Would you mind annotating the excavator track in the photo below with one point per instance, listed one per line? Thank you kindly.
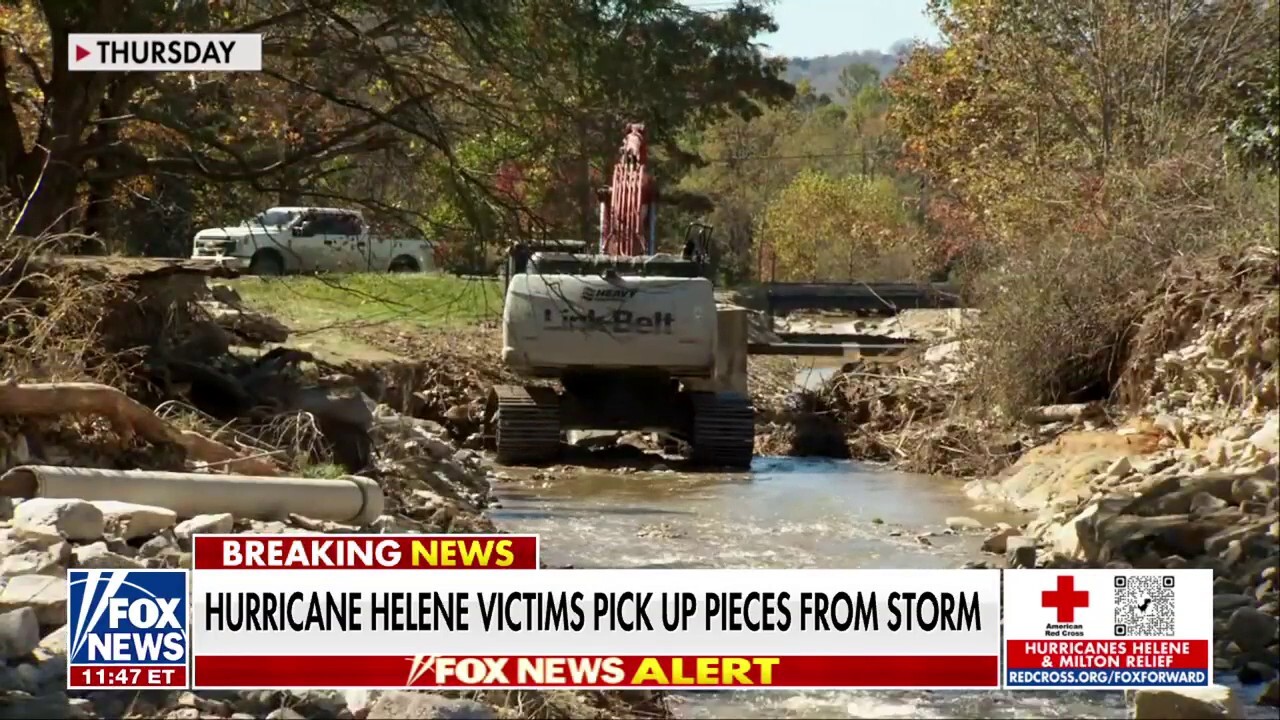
(723, 429)
(526, 425)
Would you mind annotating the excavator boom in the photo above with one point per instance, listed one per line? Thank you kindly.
(628, 218)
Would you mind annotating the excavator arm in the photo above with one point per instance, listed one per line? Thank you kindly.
(628, 220)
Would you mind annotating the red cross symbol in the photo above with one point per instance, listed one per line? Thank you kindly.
(1065, 599)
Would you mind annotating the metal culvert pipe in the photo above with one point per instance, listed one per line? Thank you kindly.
(351, 499)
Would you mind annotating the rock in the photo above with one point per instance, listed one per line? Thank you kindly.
(204, 705)
(1104, 538)
(1226, 602)
(1020, 552)
(1203, 503)
(997, 542)
(961, 522)
(97, 556)
(163, 544)
(39, 707)
(1270, 694)
(402, 705)
(19, 633)
(1121, 467)
(285, 713)
(1192, 703)
(31, 562)
(1218, 542)
(1267, 438)
(1253, 488)
(129, 520)
(44, 594)
(360, 701)
(220, 523)
(1252, 629)
(72, 519)
(1171, 425)
(1065, 539)
(1254, 673)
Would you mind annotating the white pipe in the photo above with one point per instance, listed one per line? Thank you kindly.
(351, 499)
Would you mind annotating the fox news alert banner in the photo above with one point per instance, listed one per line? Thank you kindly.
(1107, 629)
(375, 611)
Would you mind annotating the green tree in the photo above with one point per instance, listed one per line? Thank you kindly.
(856, 77)
(827, 229)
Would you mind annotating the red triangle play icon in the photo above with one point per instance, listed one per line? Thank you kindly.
(81, 53)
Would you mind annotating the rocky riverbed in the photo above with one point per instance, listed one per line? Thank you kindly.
(430, 486)
(1177, 469)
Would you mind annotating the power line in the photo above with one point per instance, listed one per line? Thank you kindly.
(811, 156)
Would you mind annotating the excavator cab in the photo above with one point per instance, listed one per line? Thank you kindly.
(697, 243)
(520, 253)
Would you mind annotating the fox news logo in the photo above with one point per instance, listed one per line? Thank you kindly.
(128, 628)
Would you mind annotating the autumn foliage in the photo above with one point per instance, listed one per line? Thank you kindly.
(1071, 151)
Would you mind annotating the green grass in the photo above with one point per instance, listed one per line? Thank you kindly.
(423, 299)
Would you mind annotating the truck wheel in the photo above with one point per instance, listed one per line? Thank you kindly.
(266, 262)
(403, 263)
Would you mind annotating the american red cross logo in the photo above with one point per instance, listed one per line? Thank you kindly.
(1065, 599)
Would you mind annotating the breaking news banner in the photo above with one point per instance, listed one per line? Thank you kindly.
(372, 611)
(163, 52)
(127, 628)
(1107, 629)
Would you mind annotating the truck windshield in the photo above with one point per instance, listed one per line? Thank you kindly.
(274, 218)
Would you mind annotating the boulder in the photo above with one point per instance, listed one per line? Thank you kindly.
(1119, 537)
(130, 520)
(31, 562)
(402, 705)
(72, 519)
(1252, 629)
(1020, 552)
(98, 556)
(1192, 703)
(960, 522)
(1270, 694)
(1177, 496)
(1267, 438)
(997, 542)
(19, 633)
(216, 524)
(44, 594)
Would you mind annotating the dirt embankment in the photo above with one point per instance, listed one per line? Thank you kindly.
(140, 366)
(1177, 469)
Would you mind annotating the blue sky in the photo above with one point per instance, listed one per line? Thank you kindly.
(808, 28)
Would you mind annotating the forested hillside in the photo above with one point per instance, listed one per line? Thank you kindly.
(823, 71)
(472, 124)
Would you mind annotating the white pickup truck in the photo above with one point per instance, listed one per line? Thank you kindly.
(285, 240)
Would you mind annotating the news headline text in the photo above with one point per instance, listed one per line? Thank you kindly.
(576, 611)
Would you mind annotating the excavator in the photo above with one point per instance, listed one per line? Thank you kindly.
(619, 339)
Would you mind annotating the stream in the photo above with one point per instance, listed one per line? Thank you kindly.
(787, 513)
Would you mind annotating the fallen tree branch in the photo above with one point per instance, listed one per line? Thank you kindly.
(128, 418)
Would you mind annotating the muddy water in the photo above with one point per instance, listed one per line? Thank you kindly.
(786, 513)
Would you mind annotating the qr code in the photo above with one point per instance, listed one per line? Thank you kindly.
(1144, 606)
